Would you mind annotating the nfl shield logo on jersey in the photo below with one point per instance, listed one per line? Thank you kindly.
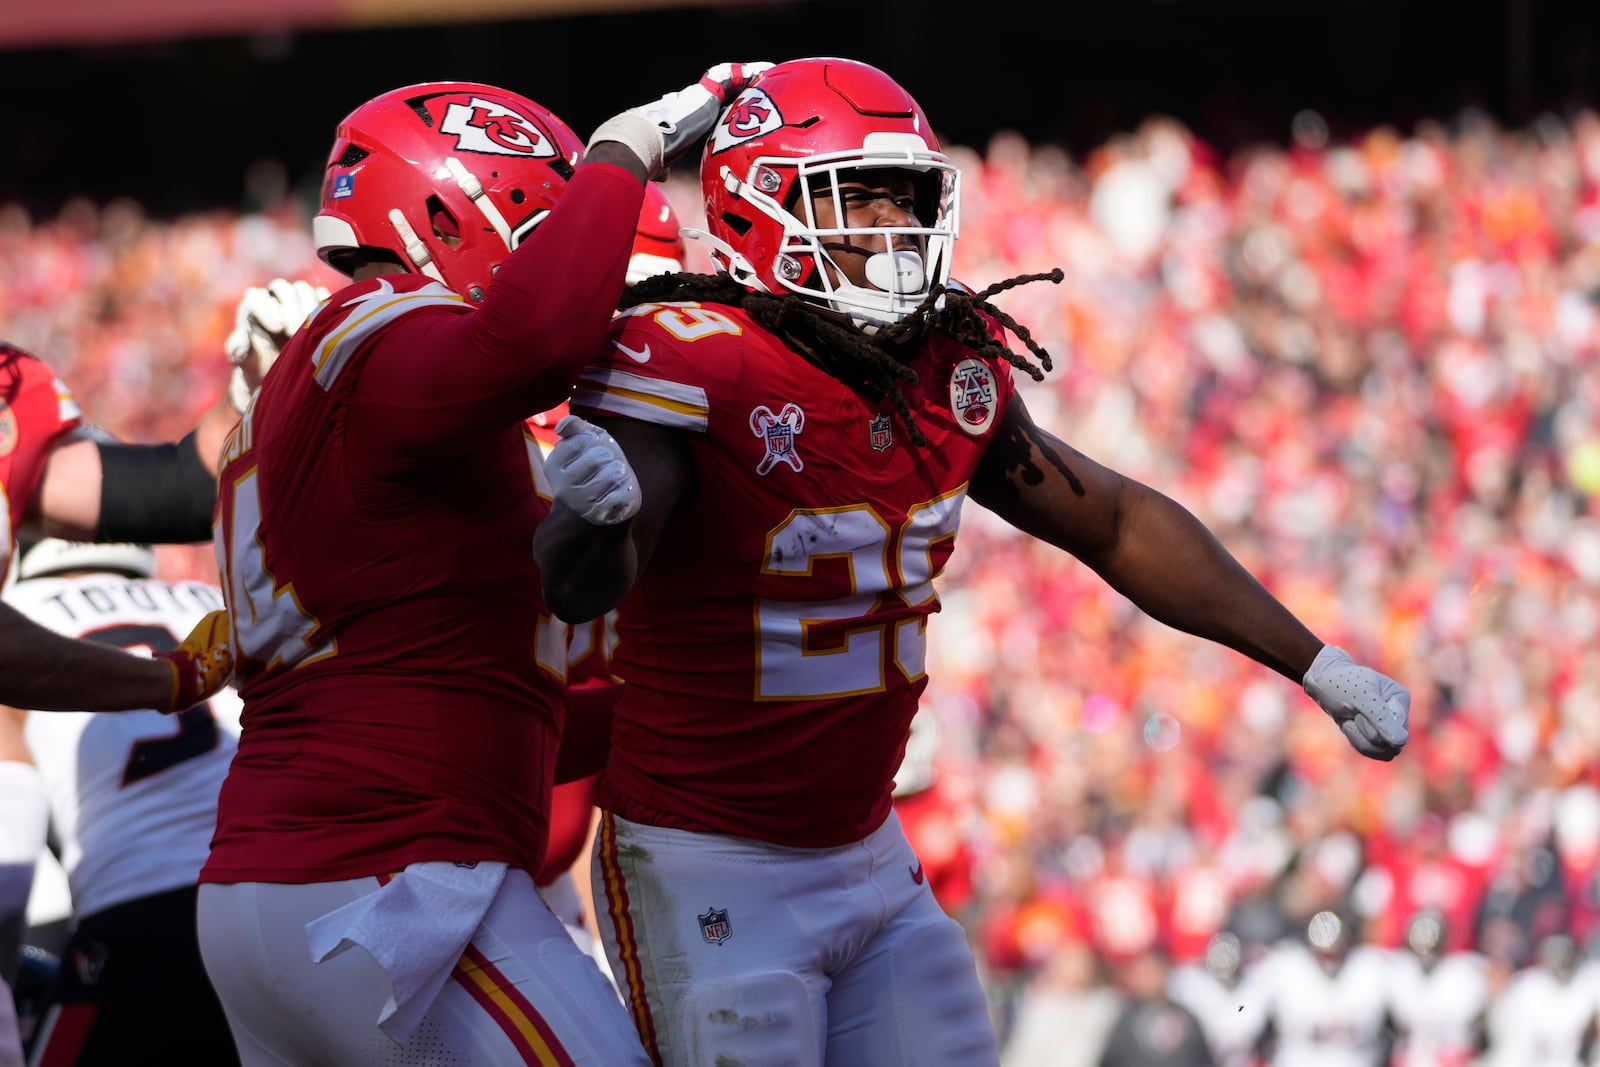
(880, 433)
(714, 925)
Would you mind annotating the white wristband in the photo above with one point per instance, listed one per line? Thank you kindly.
(638, 133)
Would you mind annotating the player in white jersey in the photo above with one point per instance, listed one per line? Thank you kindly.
(1437, 998)
(1546, 1015)
(133, 802)
(1228, 997)
(1328, 1003)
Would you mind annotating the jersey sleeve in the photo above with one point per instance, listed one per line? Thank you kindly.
(356, 315)
(450, 377)
(36, 411)
(656, 366)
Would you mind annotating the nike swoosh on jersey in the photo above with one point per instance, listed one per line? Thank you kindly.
(916, 872)
(638, 355)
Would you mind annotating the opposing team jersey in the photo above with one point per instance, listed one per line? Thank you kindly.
(1540, 1020)
(773, 653)
(1232, 1014)
(36, 409)
(133, 795)
(402, 678)
(1326, 1018)
(1437, 1009)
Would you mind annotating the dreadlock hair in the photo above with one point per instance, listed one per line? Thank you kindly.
(870, 364)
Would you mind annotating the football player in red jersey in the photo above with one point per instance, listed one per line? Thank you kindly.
(369, 895)
(806, 427)
(56, 479)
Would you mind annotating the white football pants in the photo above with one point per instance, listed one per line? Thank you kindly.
(523, 992)
(729, 950)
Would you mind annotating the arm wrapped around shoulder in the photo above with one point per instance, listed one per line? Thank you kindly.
(1371, 709)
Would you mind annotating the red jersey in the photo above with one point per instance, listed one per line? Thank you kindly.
(773, 651)
(36, 409)
(403, 680)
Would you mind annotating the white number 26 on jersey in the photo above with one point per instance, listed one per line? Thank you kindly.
(882, 561)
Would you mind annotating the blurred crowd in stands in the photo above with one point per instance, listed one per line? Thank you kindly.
(1372, 366)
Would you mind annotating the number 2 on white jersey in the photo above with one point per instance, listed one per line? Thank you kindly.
(881, 560)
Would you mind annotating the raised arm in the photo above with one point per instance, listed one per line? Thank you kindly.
(1162, 558)
(545, 308)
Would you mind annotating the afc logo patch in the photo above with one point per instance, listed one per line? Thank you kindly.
(778, 433)
(973, 395)
(752, 114)
(485, 126)
(714, 926)
(880, 433)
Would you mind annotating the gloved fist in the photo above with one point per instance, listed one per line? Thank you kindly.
(591, 475)
(202, 664)
(262, 325)
(1371, 708)
(660, 132)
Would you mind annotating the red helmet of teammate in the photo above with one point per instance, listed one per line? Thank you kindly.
(445, 177)
(657, 244)
(786, 138)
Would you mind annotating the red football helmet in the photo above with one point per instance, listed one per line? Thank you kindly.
(785, 138)
(446, 177)
(657, 244)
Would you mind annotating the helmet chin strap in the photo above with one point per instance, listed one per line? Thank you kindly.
(727, 258)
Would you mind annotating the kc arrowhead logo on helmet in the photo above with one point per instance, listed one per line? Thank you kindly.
(751, 115)
(484, 126)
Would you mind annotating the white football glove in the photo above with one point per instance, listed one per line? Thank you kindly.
(591, 475)
(262, 325)
(661, 131)
(1371, 708)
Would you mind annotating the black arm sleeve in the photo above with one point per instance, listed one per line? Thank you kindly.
(159, 494)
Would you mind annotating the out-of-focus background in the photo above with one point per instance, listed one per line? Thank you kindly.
(1332, 280)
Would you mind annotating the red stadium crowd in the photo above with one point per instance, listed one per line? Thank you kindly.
(1372, 367)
